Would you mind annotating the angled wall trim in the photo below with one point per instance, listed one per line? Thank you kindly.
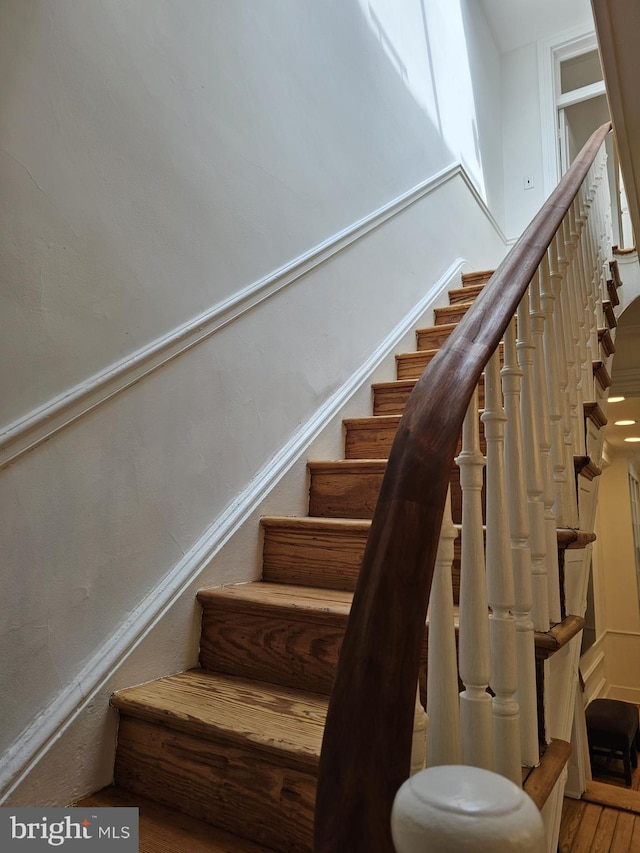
(43, 732)
(42, 423)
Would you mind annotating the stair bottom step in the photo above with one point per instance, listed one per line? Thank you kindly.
(163, 830)
(236, 788)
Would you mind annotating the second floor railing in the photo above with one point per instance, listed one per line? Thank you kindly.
(522, 356)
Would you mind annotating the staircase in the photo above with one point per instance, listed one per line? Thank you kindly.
(325, 651)
(235, 745)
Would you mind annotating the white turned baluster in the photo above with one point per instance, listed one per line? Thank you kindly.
(543, 421)
(473, 637)
(564, 403)
(585, 254)
(465, 810)
(443, 701)
(533, 464)
(575, 295)
(525, 696)
(500, 594)
(566, 296)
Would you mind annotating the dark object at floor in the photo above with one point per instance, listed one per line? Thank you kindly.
(612, 728)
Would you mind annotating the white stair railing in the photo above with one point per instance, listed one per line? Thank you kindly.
(509, 579)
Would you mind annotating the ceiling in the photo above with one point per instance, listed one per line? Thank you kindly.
(518, 22)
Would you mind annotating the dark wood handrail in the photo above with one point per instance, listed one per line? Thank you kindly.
(367, 741)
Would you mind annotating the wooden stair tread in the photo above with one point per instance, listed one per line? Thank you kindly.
(372, 422)
(573, 539)
(305, 522)
(606, 341)
(345, 465)
(549, 642)
(602, 375)
(540, 781)
(165, 830)
(261, 596)
(278, 720)
(615, 269)
(609, 314)
(593, 412)
(586, 467)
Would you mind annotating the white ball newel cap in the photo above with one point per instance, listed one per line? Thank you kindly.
(459, 809)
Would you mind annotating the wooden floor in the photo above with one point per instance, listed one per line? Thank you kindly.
(163, 830)
(606, 819)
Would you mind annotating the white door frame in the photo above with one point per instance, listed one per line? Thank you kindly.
(551, 52)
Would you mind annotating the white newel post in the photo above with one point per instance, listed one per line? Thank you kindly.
(473, 637)
(465, 810)
(443, 701)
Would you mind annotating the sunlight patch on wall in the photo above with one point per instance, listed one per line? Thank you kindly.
(425, 42)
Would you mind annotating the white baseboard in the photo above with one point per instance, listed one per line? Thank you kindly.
(624, 694)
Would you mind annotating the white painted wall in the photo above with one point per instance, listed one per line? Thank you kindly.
(522, 137)
(159, 162)
(616, 588)
(526, 32)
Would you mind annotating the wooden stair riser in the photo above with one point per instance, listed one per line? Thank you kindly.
(282, 646)
(433, 337)
(337, 492)
(411, 365)
(239, 789)
(450, 313)
(467, 293)
(371, 438)
(294, 647)
(390, 398)
(471, 279)
(319, 556)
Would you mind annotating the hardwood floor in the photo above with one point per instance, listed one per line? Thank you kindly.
(608, 816)
(591, 828)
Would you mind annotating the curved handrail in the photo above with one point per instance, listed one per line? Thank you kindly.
(367, 742)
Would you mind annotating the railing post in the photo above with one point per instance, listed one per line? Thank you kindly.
(473, 638)
(520, 554)
(464, 810)
(443, 701)
(500, 592)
